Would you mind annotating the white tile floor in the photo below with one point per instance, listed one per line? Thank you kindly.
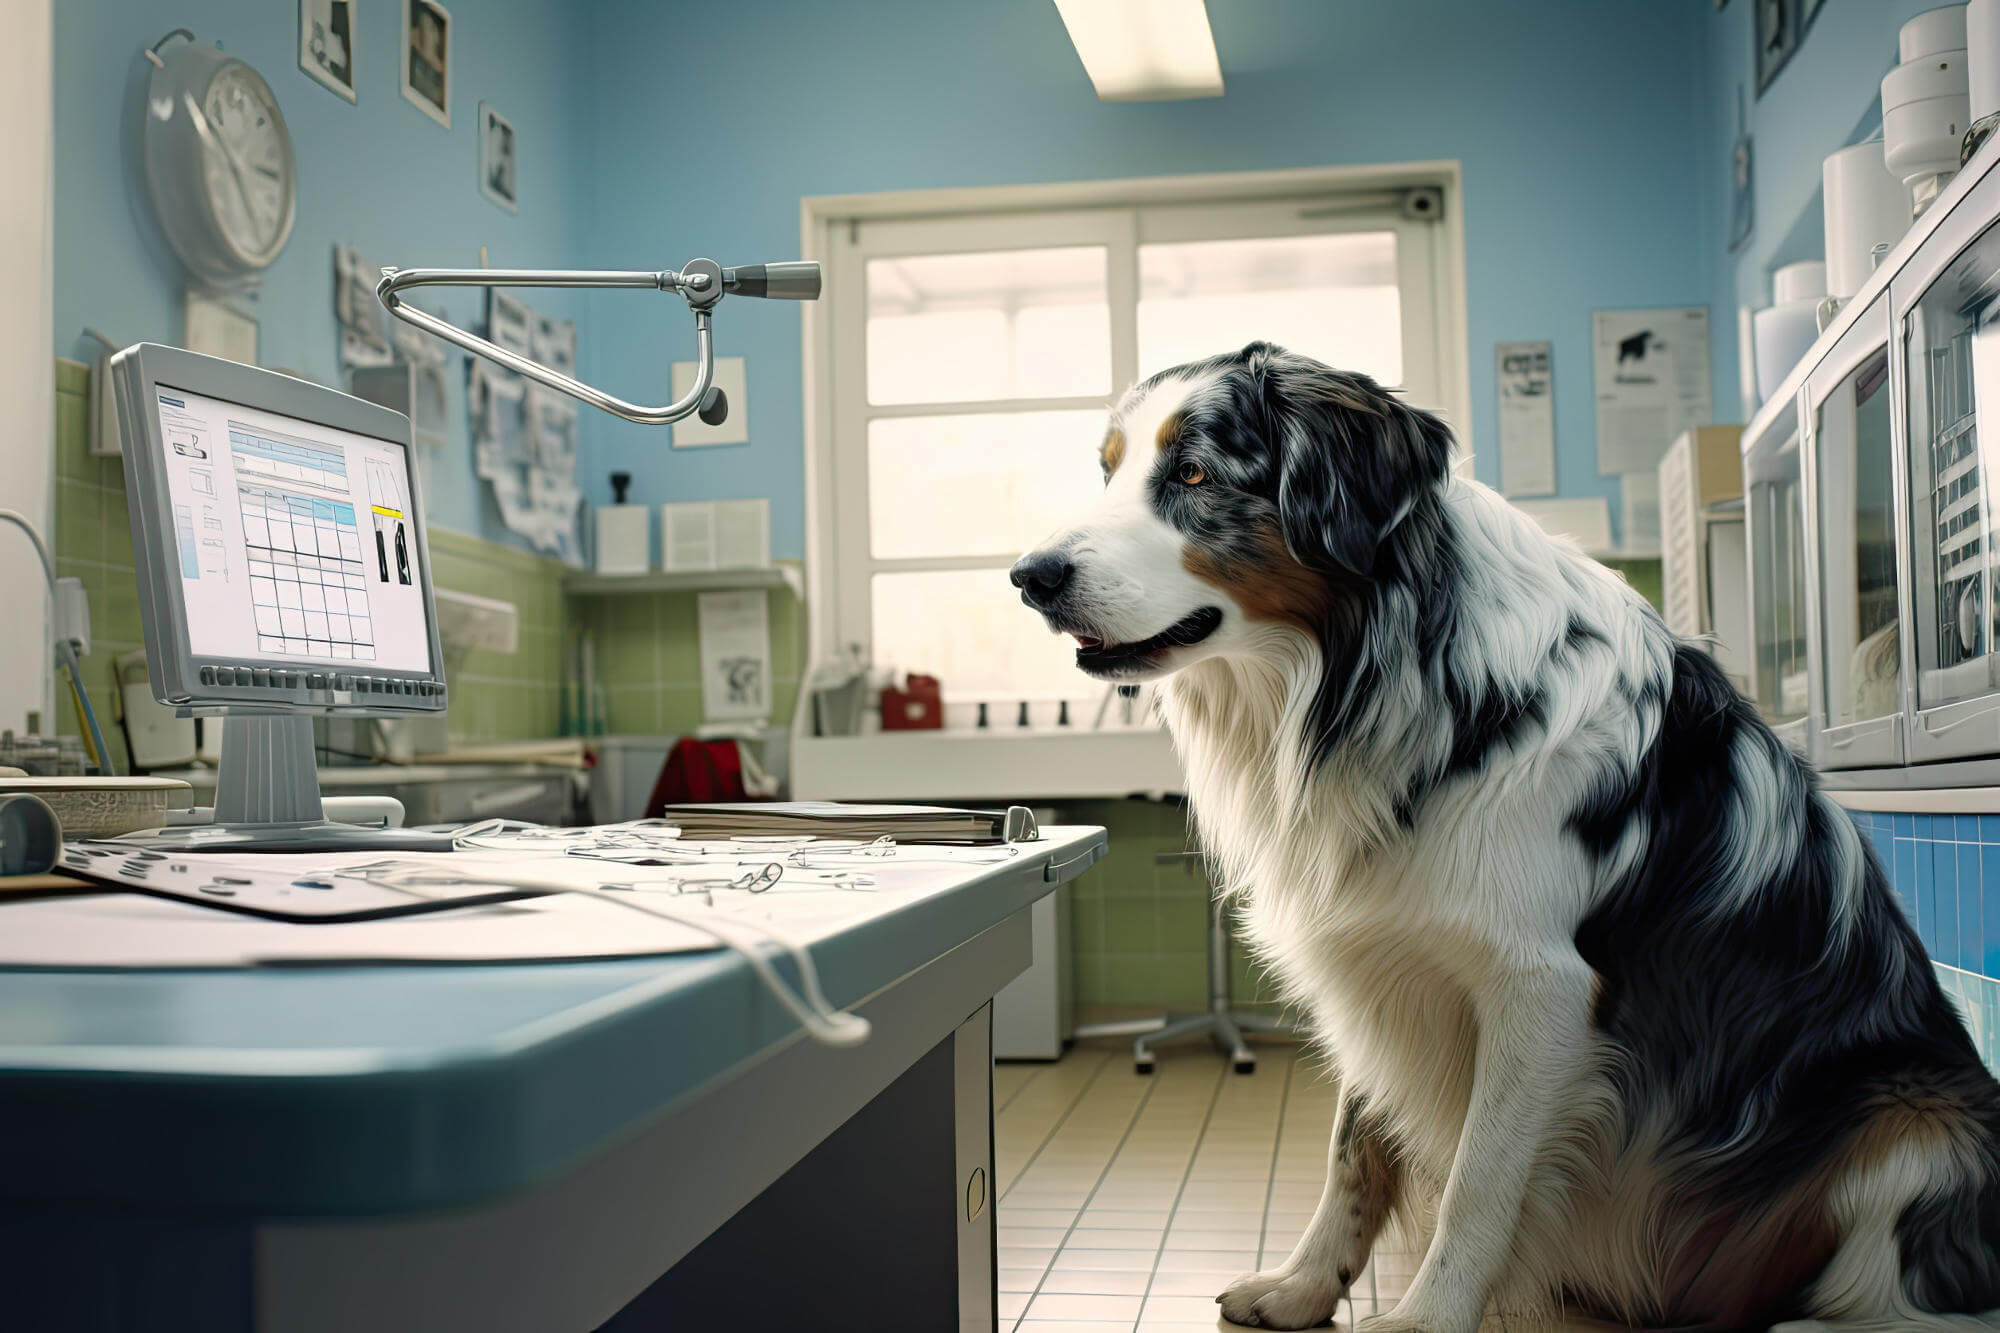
(1128, 1202)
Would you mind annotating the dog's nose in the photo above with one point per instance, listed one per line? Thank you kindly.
(1041, 576)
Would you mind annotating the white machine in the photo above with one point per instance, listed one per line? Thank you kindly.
(278, 536)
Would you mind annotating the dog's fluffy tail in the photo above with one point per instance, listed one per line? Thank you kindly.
(1950, 1246)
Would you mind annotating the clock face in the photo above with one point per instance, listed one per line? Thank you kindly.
(246, 167)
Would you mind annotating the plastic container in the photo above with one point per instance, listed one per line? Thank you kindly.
(1783, 334)
(1926, 100)
(1982, 57)
(1867, 209)
(1803, 281)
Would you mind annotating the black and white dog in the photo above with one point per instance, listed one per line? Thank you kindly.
(1627, 1020)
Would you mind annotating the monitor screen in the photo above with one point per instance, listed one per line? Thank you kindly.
(295, 540)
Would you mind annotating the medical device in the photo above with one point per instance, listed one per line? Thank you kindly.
(702, 283)
(278, 538)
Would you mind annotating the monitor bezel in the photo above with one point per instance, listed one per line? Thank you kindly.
(138, 373)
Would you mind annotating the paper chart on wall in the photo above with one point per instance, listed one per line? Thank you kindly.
(1651, 377)
(735, 631)
(367, 340)
(1525, 374)
(524, 435)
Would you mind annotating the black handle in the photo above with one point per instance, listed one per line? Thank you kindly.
(714, 406)
(794, 280)
(620, 481)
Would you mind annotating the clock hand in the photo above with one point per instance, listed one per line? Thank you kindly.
(211, 139)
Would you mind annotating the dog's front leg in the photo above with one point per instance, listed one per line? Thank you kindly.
(1533, 1036)
(1363, 1178)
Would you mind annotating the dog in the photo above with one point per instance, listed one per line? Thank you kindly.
(1628, 1023)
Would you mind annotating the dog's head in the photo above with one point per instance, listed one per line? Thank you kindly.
(1250, 489)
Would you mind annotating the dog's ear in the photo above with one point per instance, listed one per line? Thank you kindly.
(1352, 459)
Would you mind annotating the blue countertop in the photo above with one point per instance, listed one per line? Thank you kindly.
(360, 1091)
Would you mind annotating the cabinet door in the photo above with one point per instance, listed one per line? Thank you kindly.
(1949, 299)
(1774, 507)
(1857, 634)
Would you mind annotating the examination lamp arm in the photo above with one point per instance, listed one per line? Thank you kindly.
(702, 284)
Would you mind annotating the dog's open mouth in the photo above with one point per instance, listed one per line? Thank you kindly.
(1100, 658)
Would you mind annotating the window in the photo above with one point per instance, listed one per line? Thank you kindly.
(969, 357)
(1863, 648)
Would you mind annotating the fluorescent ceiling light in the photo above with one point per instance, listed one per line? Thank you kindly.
(1144, 50)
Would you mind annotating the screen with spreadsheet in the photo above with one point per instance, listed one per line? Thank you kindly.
(295, 540)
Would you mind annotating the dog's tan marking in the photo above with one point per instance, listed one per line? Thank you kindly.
(1272, 586)
(1169, 431)
(1112, 452)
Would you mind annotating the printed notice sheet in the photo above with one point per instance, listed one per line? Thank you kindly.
(1527, 418)
(1652, 382)
(735, 630)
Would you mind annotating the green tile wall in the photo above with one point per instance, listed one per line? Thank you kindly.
(646, 648)
(646, 644)
(505, 696)
(1139, 938)
(93, 542)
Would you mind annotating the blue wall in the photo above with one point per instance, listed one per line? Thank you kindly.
(1827, 97)
(1577, 122)
(378, 175)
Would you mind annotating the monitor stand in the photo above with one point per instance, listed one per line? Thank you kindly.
(267, 800)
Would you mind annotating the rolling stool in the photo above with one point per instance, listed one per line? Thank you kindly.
(1220, 1021)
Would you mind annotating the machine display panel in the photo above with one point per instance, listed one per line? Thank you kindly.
(296, 541)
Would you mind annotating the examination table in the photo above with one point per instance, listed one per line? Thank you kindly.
(641, 1144)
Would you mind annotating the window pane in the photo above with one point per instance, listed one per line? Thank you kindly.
(1777, 576)
(992, 484)
(1004, 324)
(1953, 378)
(1864, 660)
(1330, 297)
(968, 628)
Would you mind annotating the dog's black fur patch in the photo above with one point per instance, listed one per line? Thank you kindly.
(1706, 980)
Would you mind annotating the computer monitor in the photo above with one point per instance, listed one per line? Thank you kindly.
(278, 536)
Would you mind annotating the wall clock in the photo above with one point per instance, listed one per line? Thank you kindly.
(219, 163)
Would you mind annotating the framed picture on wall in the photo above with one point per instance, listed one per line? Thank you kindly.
(1777, 33)
(427, 58)
(497, 159)
(326, 44)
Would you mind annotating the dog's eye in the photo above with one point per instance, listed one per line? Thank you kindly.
(1190, 474)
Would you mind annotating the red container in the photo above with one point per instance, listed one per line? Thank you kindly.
(918, 706)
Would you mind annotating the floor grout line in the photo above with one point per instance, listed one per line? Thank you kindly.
(1111, 1159)
(1222, 1074)
(1271, 1176)
(1026, 1083)
(1055, 1129)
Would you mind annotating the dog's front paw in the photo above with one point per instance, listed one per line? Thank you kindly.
(1281, 1300)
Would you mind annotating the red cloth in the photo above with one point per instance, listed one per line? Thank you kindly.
(698, 771)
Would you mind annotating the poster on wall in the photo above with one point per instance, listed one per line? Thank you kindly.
(735, 633)
(426, 63)
(326, 44)
(1650, 369)
(1525, 374)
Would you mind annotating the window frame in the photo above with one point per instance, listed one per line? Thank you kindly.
(1869, 742)
(844, 232)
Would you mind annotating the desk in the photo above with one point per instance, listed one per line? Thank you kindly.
(434, 793)
(530, 1147)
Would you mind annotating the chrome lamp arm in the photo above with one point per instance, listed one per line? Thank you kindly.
(702, 283)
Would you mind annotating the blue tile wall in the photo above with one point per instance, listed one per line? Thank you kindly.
(1946, 871)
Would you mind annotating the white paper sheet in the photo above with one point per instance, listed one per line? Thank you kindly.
(1651, 375)
(1639, 513)
(1587, 521)
(735, 629)
(694, 433)
(1526, 376)
(131, 930)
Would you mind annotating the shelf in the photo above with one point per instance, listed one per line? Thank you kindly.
(699, 580)
(1001, 764)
